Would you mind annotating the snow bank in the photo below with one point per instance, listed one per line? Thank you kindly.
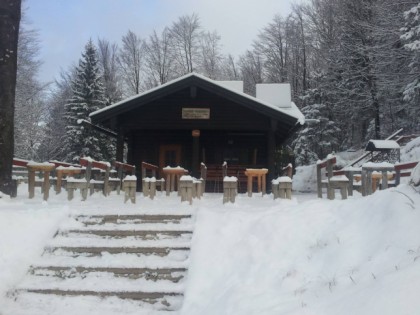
(25, 227)
(359, 256)
(305, 178)
(411, 152)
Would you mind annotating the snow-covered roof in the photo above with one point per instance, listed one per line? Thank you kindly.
(291, 111)
(383, 145)
(278, 94)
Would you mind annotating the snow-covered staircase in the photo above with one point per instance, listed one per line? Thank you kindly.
(125, 263)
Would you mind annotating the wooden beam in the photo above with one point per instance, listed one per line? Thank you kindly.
(120, 145)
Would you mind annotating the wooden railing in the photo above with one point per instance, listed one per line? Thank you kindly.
(403, 170)
(148, 169)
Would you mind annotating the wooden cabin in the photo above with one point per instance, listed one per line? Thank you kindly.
(195, 119)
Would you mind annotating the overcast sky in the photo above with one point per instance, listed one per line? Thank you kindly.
(65, 26)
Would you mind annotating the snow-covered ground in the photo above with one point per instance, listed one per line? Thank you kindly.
(257, 256)
(358, 256)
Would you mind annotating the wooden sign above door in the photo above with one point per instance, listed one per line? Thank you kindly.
(196, 113)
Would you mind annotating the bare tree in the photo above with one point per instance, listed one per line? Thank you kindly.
(131, 62)
(108, 55)
(30, 110)
(251, 65)
(211, 56)
(9, 33)
(159, 61)
(185, 40)
(272, 45)
(229, 68)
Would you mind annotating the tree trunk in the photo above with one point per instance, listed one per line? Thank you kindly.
(9, 32)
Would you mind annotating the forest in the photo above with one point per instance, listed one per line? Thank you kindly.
(353, 65)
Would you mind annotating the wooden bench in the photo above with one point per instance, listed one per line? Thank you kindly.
(129, 186)
(332, 182)
(216, 174)
(282, 187)
(64, 170)
(33, 173)
(101, 183)
(46, 169)
(150, 170)
(230, 189)
(172, 178)
(214, 178)
(122, 170)
(260, 174)
(373, 173)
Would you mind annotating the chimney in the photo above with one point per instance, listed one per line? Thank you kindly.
(277, 94)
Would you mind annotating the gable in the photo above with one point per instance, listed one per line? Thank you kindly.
(185, 89)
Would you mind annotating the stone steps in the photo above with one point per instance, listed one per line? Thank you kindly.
(154, 274)
(150, 297)
(144, 234)
(131, 218)
(139, 257)
(97, 251)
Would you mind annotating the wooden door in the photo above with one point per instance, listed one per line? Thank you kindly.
(169, 155)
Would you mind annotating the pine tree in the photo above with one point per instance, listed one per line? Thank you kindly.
(88, 96)
(320, 135)
(411, 38)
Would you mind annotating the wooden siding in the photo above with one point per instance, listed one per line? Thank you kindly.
(166, 113)
(215, 147)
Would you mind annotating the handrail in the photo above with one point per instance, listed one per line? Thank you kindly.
(148, 167)
(403, 166)
(124, 166)
(97, 164)
(63, 164)
(20, 162)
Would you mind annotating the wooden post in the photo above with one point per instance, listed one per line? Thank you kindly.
(185, 188)
(46, 185)
(249, 186)
(271, 148)
(31, 183)
(168, 184)
(275, 189)
(319, 180)
(195, 155)
(120, 174)
(129, 186)
(364, 184)
(369, 182)
(384, 180)
(146, 186)
(230, 188)
(285, 190)
(203, 177)
(70, 190)
(120, 145)
(397, 177)
(343, 190)
(350, 186)
(330, 190)
(106, 189)
(152, 189)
